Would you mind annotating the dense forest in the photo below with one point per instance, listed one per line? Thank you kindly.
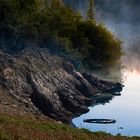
(42, 22)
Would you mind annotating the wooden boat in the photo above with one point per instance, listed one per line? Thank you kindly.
(100, 121)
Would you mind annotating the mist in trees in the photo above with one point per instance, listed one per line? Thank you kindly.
(84, 39)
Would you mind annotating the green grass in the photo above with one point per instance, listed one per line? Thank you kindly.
(31, 128)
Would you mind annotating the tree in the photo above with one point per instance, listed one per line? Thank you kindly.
(56, 3)
(91, 12)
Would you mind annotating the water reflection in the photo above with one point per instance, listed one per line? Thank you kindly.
(103, 99)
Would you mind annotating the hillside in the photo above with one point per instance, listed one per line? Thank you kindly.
(14, 127)
(42, 48)
(36, 82)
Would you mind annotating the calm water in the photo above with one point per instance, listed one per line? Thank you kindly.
(125, 108)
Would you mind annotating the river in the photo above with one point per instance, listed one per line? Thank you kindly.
(123, 19)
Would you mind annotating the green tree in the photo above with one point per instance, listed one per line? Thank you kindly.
(39, 21)
(91, 11)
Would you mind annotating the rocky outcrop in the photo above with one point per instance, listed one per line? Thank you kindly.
(37, 82)
(102, 85)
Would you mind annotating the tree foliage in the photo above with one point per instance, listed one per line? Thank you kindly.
(91, 12)
(28, 19)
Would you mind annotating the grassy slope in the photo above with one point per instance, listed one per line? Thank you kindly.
(30, 128)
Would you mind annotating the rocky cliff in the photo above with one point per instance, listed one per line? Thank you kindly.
(34, 81)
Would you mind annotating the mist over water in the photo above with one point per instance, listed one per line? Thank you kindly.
(123, 19)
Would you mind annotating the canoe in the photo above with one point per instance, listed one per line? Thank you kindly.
(100, 121)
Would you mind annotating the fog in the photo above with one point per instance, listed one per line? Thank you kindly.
(121, 16)
(123, 19)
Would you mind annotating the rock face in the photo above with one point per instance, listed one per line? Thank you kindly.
(34, 81)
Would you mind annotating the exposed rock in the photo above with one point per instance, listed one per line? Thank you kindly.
(102, 85)
(39, 83)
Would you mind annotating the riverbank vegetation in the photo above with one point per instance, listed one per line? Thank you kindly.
(42, 21)
(14, 127)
